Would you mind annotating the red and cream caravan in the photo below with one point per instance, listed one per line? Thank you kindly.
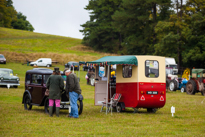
(139, 79)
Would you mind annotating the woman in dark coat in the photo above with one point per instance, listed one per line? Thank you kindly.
(55, 84)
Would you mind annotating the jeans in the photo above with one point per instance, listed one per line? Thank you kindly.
(73, 102)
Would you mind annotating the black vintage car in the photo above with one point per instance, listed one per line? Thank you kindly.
(35, 87)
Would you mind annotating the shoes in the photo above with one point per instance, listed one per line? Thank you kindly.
(73, 117)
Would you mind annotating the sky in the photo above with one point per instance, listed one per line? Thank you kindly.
(56, 17)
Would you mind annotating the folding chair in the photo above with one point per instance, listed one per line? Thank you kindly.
(113, 103)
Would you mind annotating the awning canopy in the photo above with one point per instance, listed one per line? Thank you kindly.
(112, 60)
(198, 70)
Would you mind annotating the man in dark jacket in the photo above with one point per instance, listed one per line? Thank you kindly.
(72, 91)
(55, 84)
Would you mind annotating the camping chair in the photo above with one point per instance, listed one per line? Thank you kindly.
(113, 103)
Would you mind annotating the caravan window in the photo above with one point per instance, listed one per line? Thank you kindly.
(127, 71)
(151, 68)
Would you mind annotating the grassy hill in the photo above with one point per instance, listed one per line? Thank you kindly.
(18, 45)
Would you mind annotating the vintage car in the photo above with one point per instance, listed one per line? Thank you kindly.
(35, 87)
(8, 79)
(2, 59)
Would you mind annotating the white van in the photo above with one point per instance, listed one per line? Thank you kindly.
(47, 62)
(171, 63)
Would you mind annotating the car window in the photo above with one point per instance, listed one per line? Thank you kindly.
(1, 56)
(36, 79)
(28, 78)
(127, 71)
(45, 78)
(151, 68)
(6, 72)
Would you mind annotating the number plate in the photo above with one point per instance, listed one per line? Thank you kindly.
(64, 106)
(152, 92)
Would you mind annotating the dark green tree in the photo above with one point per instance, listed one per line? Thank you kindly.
(194, 56)
(7, 13)
(99, 32)
(136, 20)
(22, 23)
(182, 36)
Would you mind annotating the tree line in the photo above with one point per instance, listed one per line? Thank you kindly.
(10, 18)
(148, 27)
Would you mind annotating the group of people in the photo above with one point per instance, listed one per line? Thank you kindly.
(55, 84)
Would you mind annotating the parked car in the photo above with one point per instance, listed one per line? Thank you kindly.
(88, 67)
(8, 79)
(2, 59)
(35, 87)
(197, 82)
(46, 62)
(72, 65)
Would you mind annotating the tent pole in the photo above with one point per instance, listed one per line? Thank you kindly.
(107, 88)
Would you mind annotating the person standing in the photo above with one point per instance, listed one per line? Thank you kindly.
(73, 91)
(55, 84)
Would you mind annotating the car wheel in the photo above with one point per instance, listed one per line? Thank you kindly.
(191, 87)
(173, 85)
(80, 106)
(47, 66)
(120, 107)
(15, 86)
(46, 106)
(27, 102)
(152, 110)
(183, 89)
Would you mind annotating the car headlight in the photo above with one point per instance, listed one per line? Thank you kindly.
(17, 79)
(2, 78)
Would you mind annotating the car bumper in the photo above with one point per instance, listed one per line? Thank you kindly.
(2, 61)
(11, 84)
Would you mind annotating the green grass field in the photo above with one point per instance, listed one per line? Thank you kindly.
(15, 121)
(18, 45)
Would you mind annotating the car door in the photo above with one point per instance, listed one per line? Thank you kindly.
(35, 88)
(40, 63)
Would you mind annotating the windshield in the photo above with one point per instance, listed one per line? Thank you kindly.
(1, 56)
(6, 72)
(173, 66)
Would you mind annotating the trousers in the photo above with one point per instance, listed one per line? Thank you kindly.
(73, 102)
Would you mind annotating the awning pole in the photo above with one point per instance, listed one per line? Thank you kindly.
(107, 88)
(110, 91)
